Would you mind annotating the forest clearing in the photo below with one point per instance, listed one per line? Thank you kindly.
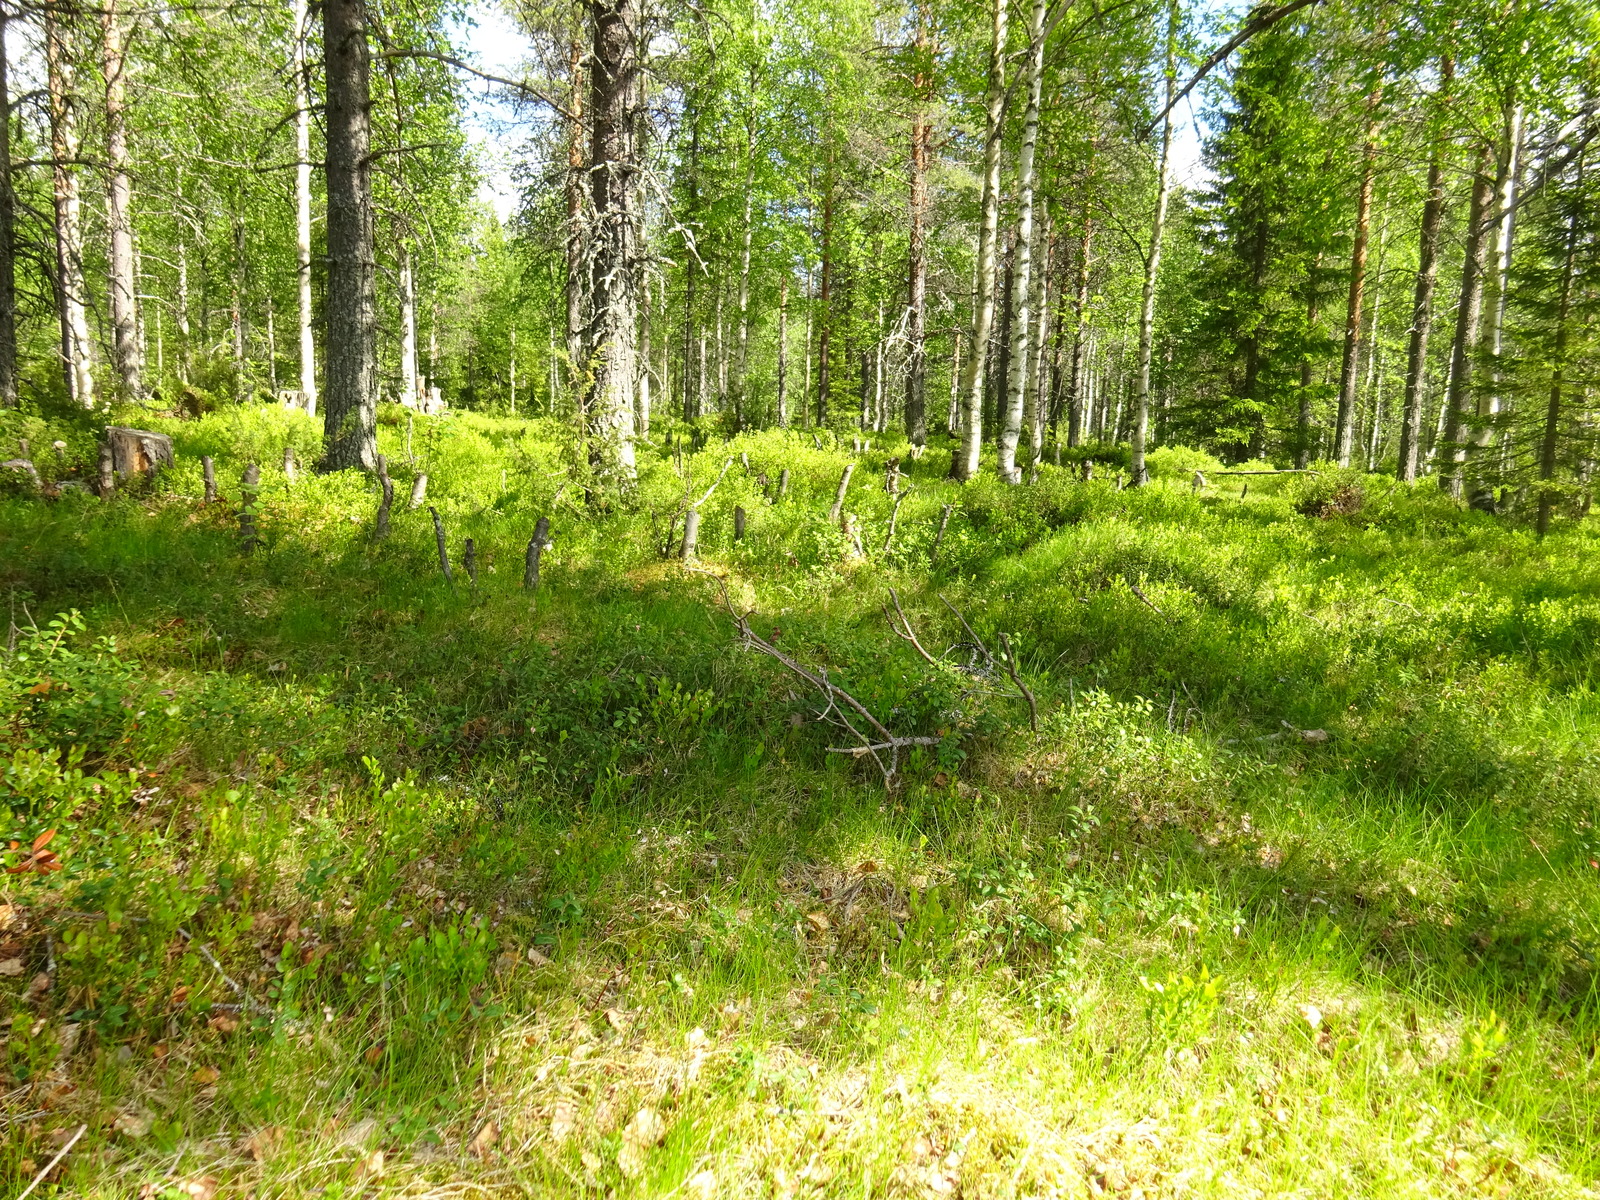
(799, 600)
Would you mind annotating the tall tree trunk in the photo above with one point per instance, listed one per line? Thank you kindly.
(77, 365)
(916, 249)
(408, 328)
(1349, 369)
(1152, 266)
(825, 296)
(1422, 302)
(1019, 354)
(1034, 412)
(183, 313)
(741, 351)
(1469, 313)
(1552, 417)
(302, 207)
(783, 351)
(964, 464)
(350, 402)
(1374, 365)
(641, 416)
(613, 85)
(1508, 166)
(237, 313)
(1305, 436)
(119, 200)
(576, 366)
(8, 247)
(1080, 335)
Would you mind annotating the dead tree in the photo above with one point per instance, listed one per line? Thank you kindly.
(536, 548)
(208, 471)
(838, 496)
(882, 746)
(444, 549)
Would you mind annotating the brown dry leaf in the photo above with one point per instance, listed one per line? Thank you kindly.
(641, 1135)
(617, 1019)
(370, 1167)
(224, 1023)
(206, 1075)
(537, 959)
(204, 1188)
(819, 921)
(563, 1120)
(37, 986)
(131, 1125)
(506, 962)
(359, 1134)
(11, 967)
(158, 1051)
(179, 995)
(374, 1052)
(866, 868)
(8, 915)
(487, 1137)
(261, 1144)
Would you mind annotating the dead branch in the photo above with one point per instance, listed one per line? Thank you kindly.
(971, 633)
(1149, 603)
(1027, 694)
(908, 634)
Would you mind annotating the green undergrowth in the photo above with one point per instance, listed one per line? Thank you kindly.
(365, 883)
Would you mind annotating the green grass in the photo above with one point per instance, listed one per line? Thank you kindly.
(499, 872)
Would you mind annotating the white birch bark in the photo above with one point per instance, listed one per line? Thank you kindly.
(964, 464)
(302, 210)
(1152, 269)
(1022, 325)
(64, 148)
(119, 203)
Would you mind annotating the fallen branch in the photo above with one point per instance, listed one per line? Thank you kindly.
(1284, 471)
(204, 951)
(51, 1165)
(971, 633)
(1149, 603)
(909, 634)
(863, 751)
(1011, 670)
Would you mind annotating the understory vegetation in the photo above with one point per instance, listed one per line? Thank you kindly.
(363, 882)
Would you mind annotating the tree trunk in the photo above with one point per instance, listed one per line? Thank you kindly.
(1034, 412)
(119, 200)
(1305, 436)
(350, 403)
(183, 313)
(825, 296)
(783, 351)
(302, 208)
(576, 367)
(1552, 417)
(641, 416)
(77, 365)
(613, 82)
(1422, 304)
(1349, 369)
(916, 249)
(1508, 167)
(408, 330)
(1076, 414)
(1374, 364)
(1469, 312)
(1020, 353)
(8, 251)
(964, 464)
(741, 351)
(1137, 474)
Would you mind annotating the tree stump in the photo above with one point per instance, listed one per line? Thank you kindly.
(138, 451)
(419, 490)
(536, 547)
(208, 471)
(783, 483)
(249, 486)
(108, 473)
(838, 496)
(444, 550)
(738, 523)
(691, 535)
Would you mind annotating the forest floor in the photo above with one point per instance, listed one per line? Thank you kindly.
(376, 885)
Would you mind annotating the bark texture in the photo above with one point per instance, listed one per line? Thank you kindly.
(351, 396)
